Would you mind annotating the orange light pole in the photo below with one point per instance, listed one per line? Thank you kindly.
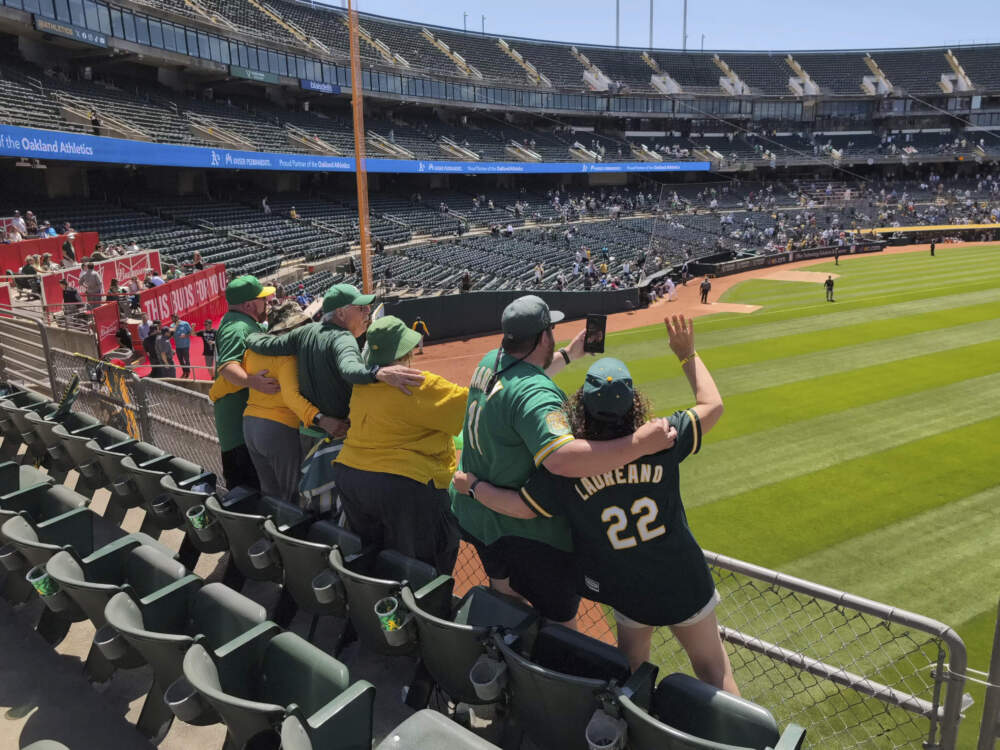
(357, 106)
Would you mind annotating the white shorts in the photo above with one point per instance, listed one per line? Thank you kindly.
(701, 614)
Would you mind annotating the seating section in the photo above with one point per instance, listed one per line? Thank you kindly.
(763, 73)
(838, 73)
(217, 658)
(916, 71)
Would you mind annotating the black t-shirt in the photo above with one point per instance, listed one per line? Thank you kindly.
(209, 338)
(633, 545)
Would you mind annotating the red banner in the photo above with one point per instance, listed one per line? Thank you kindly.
(106, 326)
(5, 297)
(122, 268)
(188, 296)
(12, 256)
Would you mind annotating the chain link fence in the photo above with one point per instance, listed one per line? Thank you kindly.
(182, 422)
(112, 394)
(855, 673)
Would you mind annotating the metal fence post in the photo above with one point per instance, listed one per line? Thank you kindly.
(989, 731)
(142, 408)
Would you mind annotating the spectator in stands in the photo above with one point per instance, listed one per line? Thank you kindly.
(293, 214)
(12, 235)
(98, 253)
(196, 262)
(72, 304)
(154, 278)
(207, 336)
(466, 282)
(144, 326)
(421, 327)
(47, 230)
(95, 122)
(608, 407)
(149, 345)
(93, 285)
(265, 206)
(31, 223)
(330, 362)
(271, 421)
(117, 295)
(132, 247)
(515, 422)
(46, 264)
(165, 351)
(172, 273)
(182, 331)
(125, 342)
(393, 472)
(247, 300)
(67, 229)
(302, 297)
(68, 251)
(20, 224)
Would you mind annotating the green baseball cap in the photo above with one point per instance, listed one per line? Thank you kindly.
(388, 340)
(528, 316)
(245, 288)
(607, 390)
(341, 295)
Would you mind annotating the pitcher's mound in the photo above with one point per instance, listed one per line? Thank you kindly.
(813, 277)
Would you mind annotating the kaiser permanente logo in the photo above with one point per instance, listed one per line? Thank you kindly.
(47, 145)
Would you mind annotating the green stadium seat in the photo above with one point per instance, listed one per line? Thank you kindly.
(449, 648)
(46, 745)
(132, 564)
(61, 462)
(684, 713)
(125, 491)
(265, 677)
(76, 442)
(569, 676)
(16, 426)
(428, 729)
(165, 624)
(373, 576)
(307, 577)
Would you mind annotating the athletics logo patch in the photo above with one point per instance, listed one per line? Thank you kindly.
(593, 585)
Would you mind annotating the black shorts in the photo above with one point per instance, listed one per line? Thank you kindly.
(545, 576)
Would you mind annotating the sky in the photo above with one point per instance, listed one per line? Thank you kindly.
(726, 24)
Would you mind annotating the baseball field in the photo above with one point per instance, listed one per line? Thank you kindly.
(859, 448)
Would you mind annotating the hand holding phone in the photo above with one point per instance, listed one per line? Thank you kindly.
(593, 342)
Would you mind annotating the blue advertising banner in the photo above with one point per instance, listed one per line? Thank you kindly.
(325, 88)
(50, 144)
(70, 31)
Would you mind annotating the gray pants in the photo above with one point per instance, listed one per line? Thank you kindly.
(276, 455)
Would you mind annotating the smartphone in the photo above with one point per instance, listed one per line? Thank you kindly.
(593, 340)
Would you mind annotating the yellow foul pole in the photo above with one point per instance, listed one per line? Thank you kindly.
(357, 104)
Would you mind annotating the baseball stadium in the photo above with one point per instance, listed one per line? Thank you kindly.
(545, 390)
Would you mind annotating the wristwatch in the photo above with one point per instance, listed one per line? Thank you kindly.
(317, 418)
(374, 372)
(472, 488)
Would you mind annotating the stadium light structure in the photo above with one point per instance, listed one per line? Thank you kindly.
(357, 106)
(465, 19)
(618, 16)
(684, 28)
(651, 24)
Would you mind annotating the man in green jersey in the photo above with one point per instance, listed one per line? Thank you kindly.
(515, 421)
(634, 549)
(247, 300)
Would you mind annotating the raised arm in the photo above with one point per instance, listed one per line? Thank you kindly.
(498, 499)
(708, 400)
(276, 346)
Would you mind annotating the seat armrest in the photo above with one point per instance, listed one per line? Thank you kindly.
(207, 477)
(435, 597)
(155, 464)
(85, 430)
(116, 447)
(348, 718)
(639, 687)
(173, 596)
(109, 557)
(255, 638)
(791, 739)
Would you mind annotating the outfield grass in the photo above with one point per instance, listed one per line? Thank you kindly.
(859, 444)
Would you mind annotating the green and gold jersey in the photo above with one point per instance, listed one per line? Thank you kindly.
(630, 533)
(515, 418)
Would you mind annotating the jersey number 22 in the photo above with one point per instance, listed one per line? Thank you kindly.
(646, 510)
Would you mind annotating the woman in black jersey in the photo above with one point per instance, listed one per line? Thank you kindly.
(634, 548)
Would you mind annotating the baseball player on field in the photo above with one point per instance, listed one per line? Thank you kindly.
(634, 549)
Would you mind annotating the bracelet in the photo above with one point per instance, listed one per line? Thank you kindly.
(688, 358)
(565, 355)
(472, 488)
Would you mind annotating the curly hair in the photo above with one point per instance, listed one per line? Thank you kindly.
(586, 427)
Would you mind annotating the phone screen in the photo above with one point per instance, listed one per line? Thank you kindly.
(593, 341)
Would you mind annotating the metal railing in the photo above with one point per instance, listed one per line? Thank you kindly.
(989, 731)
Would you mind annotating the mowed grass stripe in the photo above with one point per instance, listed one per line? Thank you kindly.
(890, 565)
(770, 456)
(783, 404)
(630, 348)
(885, 340)
(785, 521)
